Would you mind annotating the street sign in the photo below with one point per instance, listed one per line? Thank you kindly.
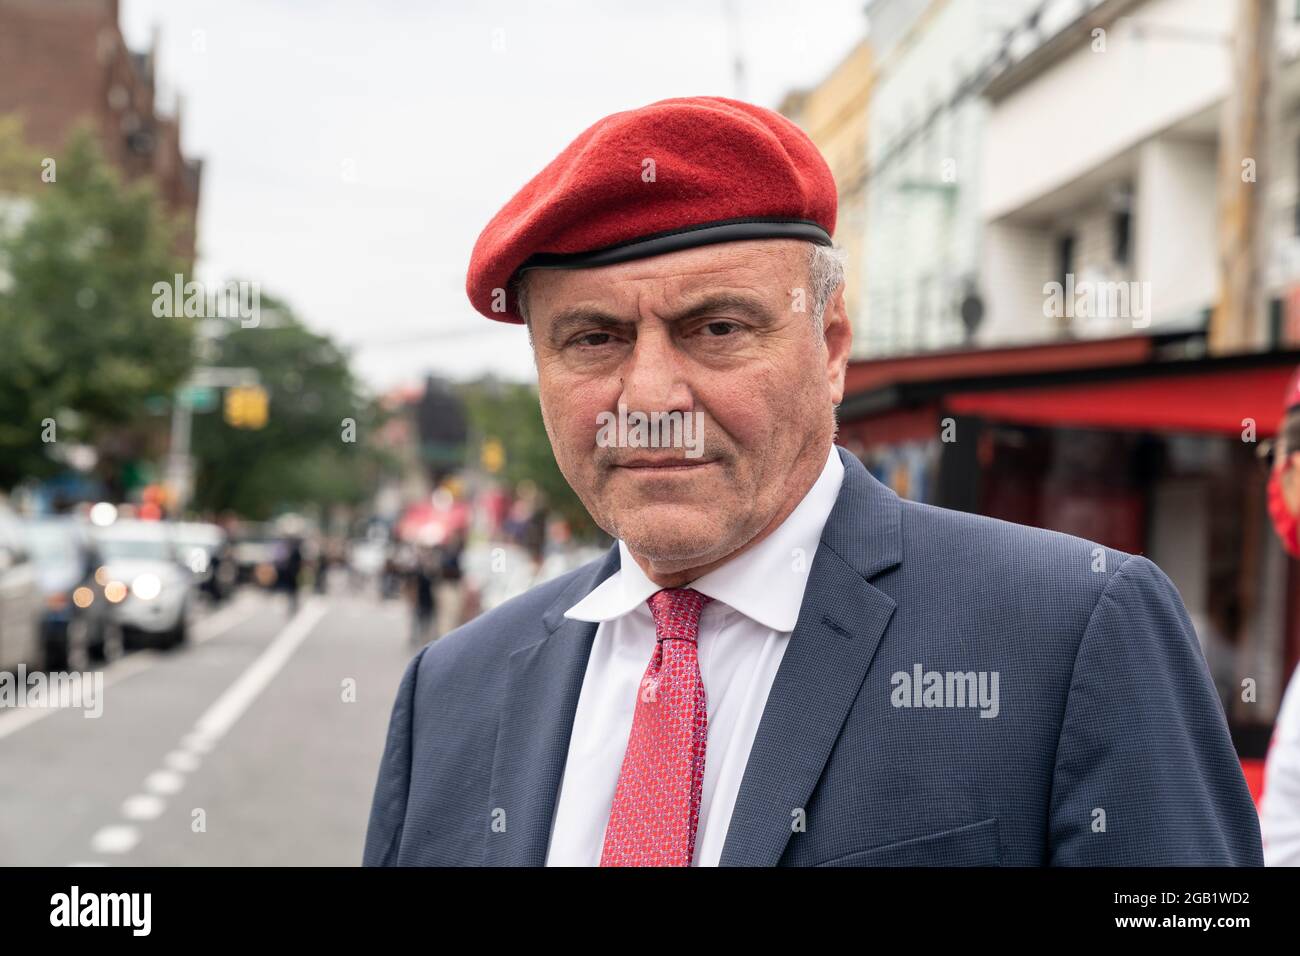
(199, 398)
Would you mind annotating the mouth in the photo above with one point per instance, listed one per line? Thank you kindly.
(661, 466)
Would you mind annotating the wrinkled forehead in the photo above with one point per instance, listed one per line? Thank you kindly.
(766, 268)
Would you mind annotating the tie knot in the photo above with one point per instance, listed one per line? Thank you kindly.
(677, 613)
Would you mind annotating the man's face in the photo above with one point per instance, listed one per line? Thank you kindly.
(724, 331)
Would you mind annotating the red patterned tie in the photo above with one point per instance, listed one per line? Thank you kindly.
(657, 800)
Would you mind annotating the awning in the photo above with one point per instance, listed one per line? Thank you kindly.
(892, 427)
(1215, 402)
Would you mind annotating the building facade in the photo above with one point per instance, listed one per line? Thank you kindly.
(834, 115)
(922, 243)
(66, 63)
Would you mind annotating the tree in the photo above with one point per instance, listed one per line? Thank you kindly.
(510, 413)
(313, 448)
(82, 348)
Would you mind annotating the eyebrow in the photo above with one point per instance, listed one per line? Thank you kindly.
(580, 316)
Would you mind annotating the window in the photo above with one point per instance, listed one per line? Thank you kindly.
(1064, 257)
(1121, 229)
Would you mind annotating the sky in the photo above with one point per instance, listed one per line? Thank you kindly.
(353, 149)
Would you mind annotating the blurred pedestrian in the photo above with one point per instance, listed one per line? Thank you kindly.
(397, 565)
(424, 605)
(324, 558)
(289, 572)
(451, 583)
(1279, 808)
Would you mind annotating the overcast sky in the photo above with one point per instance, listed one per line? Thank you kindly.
(354, 150)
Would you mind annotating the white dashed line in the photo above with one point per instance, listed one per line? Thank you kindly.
(182, 761)
(230, 706)
(143, 806)
(240, 610)
(164, 782)
(208, 730)
(118, 838)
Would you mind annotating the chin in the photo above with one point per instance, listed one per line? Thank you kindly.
(675, 534)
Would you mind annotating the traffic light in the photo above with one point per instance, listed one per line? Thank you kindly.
(246, 407)
(493, 456)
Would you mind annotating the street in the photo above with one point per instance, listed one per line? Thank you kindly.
(256, 744)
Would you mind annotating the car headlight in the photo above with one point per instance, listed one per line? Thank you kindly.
(146, 587)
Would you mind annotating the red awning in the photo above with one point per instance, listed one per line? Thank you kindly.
(1214, 402)
(891, 427)
(864, 375)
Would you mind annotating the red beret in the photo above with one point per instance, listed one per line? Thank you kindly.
(673, 175)
(1292, 398)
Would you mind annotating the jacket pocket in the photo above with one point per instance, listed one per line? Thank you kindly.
(975, 844)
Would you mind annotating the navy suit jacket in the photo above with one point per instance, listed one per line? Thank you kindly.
(1105, 744)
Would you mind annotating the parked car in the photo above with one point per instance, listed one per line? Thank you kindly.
(78, 623)
(205, 549)
(20, 598)
(148, 587)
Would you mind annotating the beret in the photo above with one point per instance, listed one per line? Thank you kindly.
(1291, 400)
(673, 175)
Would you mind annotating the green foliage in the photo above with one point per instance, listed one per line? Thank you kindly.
(80, 344)
(510, 413)
(300, 457)
(78, 260)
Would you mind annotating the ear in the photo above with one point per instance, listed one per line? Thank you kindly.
(838, 334)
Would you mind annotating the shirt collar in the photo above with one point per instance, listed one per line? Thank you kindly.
(781, 561)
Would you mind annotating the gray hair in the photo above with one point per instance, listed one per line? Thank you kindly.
(825, 276)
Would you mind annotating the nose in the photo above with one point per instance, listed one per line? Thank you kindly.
(655, 376)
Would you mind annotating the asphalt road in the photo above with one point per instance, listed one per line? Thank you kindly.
(255, 744)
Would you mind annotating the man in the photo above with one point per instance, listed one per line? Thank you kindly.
(1279, 808)
(289, 572)
(421, 584)
(781, 662)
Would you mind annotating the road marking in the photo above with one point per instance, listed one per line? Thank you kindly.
(165, 782)
(240, 610)
(246, 603)
(230, 706)
(115, 839)
(191, 743)
(210, 728)
(181, 761)
(143, 806)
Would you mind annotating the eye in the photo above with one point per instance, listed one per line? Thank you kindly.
(593, 339)
(720, 328)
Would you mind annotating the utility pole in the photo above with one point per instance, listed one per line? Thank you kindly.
(1237, 323)
(737, 49)
(180, 466)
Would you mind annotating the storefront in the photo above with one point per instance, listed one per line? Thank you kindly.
(1139, 443)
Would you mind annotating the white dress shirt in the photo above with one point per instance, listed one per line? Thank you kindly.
(743, 634)
(1279, 808)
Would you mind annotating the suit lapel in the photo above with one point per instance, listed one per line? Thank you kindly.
(840, 625)
(543, 683)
